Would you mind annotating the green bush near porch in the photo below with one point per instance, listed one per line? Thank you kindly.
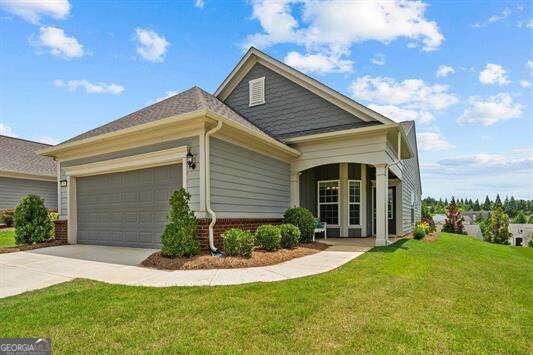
(32, 221)
(304, 220)
(268, 237)
(238, 242)
(290, 235)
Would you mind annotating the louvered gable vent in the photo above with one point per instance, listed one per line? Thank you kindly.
(257, 91)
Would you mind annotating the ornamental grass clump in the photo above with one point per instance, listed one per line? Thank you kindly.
(32, 222)
(238, 242)
(268, 237)
(179, 238)
(290, 236)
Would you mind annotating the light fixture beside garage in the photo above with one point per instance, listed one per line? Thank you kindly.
(63, 183)
(190, 160)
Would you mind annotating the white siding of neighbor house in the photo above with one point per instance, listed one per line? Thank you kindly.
(193, 176)
(245, 183)
(410, 183)
(12, 190)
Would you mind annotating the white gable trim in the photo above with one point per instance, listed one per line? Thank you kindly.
(254, 56)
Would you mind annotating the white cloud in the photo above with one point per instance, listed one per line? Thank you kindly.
(90, 88)
(379, 59)
(529, 67)
(167, 95)
(493, 74)
(5, 130)
(199, 3)
(318, 63)
(330, 28)
(525, 83)
(444, 70)
(494, 109)
(48, 140)
(32, 10)
(399, 114)
(494, 18)
(432, 141)
(57, 43)
(150, 45)
(414, 93)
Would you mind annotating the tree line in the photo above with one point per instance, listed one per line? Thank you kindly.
(519, 210)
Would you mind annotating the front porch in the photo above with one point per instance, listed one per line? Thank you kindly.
(346, 197)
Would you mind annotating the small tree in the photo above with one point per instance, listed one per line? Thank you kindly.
(520, 218)
(454, 220)
(32, 222)
(497, 230)
(179, 238)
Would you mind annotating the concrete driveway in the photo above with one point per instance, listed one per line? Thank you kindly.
(35, 269)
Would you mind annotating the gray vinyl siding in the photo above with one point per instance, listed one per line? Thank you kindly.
(289, 107)
(193, 176)
(410, 183)
(245, 182)
(12, 190)
(63, 191)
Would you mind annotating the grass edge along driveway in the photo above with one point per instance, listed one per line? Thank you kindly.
(454, 294)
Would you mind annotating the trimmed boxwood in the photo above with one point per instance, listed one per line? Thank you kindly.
(32, 222)
(268, 237)
(290, 235)
(304, 220)
(238, 242)
(419, 233)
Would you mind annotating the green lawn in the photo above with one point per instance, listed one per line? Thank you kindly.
(455, 294)
(7, 237)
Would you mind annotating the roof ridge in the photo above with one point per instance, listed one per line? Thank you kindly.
(25, 140)
(199, 94)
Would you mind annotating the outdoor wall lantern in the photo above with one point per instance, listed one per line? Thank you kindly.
(190, 160)
(63, 183)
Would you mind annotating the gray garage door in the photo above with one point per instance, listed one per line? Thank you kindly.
(126, 209)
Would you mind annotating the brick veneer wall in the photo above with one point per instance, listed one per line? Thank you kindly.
(60, 230)
(224, 224)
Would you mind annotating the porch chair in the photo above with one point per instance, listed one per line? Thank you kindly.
(320, 227)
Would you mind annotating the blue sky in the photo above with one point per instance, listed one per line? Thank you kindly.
(463, 72)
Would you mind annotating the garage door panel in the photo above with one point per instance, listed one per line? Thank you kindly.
(126, 209)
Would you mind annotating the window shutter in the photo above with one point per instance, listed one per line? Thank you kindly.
(257, 91)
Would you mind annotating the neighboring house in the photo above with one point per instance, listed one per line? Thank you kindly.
(269, 138)
(23, 172)
(474, 215)
(522, 234)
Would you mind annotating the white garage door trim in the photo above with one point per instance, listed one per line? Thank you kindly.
(133, 162)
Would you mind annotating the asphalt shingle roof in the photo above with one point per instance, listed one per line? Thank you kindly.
(187, 101)
(19, 156)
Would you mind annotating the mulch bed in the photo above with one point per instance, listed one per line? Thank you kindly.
(52, 243)
(206, 261)
(431, 237)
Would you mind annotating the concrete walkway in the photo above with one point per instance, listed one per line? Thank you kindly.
(31, 270)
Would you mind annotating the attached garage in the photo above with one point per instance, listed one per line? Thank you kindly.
(124, 201)
(126, 209)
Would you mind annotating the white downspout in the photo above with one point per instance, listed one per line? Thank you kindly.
(208, 186)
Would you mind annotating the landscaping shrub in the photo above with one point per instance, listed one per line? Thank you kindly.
(6, 216)
(290, 235)
(454, 220)
(425, 226)
(179, 238)
(32, 222)
(304, 220)
(238, 242)
(419, 233)
(268, 237)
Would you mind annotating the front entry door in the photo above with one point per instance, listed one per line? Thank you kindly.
(391, 217)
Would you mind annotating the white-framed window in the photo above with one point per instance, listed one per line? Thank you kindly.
(257, 91)
(354, 202)
(328, 201)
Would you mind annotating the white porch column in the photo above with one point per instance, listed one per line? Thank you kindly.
(363, 201)
(295, 189)
(382, 180)
(344, 214)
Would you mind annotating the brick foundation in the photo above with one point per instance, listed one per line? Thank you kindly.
(60, 230)
(224, 224)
